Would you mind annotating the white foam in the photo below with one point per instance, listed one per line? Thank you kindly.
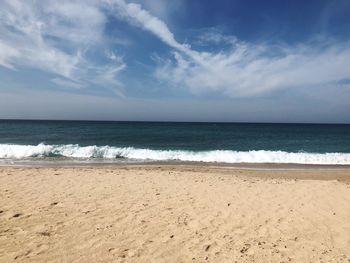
(13, 151)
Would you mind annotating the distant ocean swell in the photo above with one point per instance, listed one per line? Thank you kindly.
(13, 151)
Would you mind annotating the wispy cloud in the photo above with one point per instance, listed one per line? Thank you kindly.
(54, 37)
(242, 69)
(66, 83)
(251, 69)
(213, 35)
(57, 37)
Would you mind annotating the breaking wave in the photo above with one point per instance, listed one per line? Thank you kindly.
(14, 151)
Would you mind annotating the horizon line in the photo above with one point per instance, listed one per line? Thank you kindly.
(172, 121)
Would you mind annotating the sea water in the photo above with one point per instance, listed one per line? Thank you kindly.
(175, 141)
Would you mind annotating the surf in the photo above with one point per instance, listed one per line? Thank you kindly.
(15, 151)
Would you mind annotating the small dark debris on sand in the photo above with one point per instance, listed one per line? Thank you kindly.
(45, 233)
(245, 248)
(17, 215)
(54, 203)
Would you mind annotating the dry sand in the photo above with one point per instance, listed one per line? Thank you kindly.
(173, 214)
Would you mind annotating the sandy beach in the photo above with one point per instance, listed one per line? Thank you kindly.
(173, 213)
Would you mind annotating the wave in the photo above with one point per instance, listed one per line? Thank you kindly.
(14, 151)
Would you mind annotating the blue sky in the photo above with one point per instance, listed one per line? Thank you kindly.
(194, 60)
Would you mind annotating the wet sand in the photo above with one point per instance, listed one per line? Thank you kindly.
(174, 213)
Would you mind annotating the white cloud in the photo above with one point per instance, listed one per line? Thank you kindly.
(23, 27)
(75, 21)
(248, 70)
(7, 53)
(136, 15)
(243, 69)
(54, 37)
(114, 57)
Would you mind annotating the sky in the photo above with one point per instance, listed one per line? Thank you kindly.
(183, 60)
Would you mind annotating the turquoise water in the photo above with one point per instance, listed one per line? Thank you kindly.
(218, 142)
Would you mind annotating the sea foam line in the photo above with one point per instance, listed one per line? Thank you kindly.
(14, 151)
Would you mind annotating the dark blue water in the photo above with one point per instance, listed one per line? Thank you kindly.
(313, 138)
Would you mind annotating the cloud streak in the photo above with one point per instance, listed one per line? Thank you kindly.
(136, 15)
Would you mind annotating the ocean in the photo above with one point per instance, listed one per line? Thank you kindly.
(117, 142)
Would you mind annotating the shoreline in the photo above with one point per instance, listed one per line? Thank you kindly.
(108, 163)
(282, 171)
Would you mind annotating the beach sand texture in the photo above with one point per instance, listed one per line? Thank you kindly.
(173, 214)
